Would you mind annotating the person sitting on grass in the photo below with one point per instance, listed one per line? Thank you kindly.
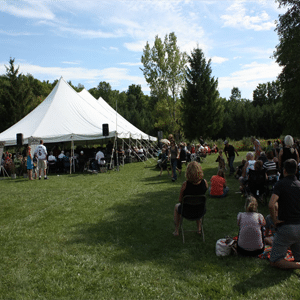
(239, 169)
(250, 240)
(194, 185)
(218, 186)
(286, 195)
(249, 165)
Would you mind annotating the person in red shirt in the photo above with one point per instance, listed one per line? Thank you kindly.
(218, 186)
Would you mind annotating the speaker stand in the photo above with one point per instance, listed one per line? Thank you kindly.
(3, 171)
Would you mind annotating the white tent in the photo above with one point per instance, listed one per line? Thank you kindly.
(66, 115)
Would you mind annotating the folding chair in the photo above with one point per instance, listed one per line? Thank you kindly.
(257, 185)
(273, 176)
(193, 208)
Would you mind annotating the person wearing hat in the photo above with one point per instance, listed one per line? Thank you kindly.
(230, 151)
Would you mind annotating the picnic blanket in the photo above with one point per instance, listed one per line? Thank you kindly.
(266, 254)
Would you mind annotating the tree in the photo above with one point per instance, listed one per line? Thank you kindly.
(163, 69)
(236, 94)
(288, 56)
(267, 93)
(202, 110)
(17, 99)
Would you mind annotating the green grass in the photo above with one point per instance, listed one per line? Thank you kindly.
(109, 236)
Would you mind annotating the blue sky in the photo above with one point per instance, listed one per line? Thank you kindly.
(91, 41)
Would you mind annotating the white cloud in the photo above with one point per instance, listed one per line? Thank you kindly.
(71, 62)
(27, 9)
(218, 60)
(131, 64)
(112, 75)
(238, 17)
(15, 33)
(250, 75)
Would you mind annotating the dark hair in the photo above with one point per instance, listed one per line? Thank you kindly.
(290, 166)
(258, 165)
(221, 173)
(270, 155)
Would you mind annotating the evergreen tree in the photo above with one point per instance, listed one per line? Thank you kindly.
(17, 99)
(202, 110)
(287, 55)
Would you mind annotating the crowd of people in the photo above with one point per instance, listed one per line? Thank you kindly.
(281, 228)
(279, 165)
(60, 160)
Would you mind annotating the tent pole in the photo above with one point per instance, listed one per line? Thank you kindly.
(135, 154)
(117, 154)
(124, 152)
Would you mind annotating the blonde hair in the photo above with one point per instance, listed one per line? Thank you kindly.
(251, 204)
(194, 172)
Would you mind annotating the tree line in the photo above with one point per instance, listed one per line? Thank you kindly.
(184, 98)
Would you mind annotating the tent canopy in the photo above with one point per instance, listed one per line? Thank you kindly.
(66, 115)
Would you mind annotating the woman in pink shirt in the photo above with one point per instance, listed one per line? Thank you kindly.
(250, 240)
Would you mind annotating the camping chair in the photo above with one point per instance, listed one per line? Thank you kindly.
(273, 176)
(193, 208)
(52, 168)
(257, 185)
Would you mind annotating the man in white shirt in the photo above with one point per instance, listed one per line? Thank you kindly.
(51, 157)
(61, 155)
(100, 157)
(41, 152)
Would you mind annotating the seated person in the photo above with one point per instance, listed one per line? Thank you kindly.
(194, 185)
(61, 155)
(100, 157)
(270, 165)
(51, 157)
(218, 186)
(270, 230)
(249, 165)
(250, 239)
(239, 169)
(263, 157)
(163, 164)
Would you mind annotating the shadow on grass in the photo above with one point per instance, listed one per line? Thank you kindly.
(267, 277)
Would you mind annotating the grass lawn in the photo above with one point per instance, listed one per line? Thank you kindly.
(109, 236)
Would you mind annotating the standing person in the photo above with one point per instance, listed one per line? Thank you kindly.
(286, 194)
(174, 153)
(29, 163)
(257, 147)
(182, 157)
(230, 151)
(287, 152)
(41, 152)
(220, 159)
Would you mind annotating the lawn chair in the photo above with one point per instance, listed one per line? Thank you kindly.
(257, 185)
(273, 177)
(193, 208)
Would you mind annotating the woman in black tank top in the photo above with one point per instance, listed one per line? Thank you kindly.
(194, 185)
